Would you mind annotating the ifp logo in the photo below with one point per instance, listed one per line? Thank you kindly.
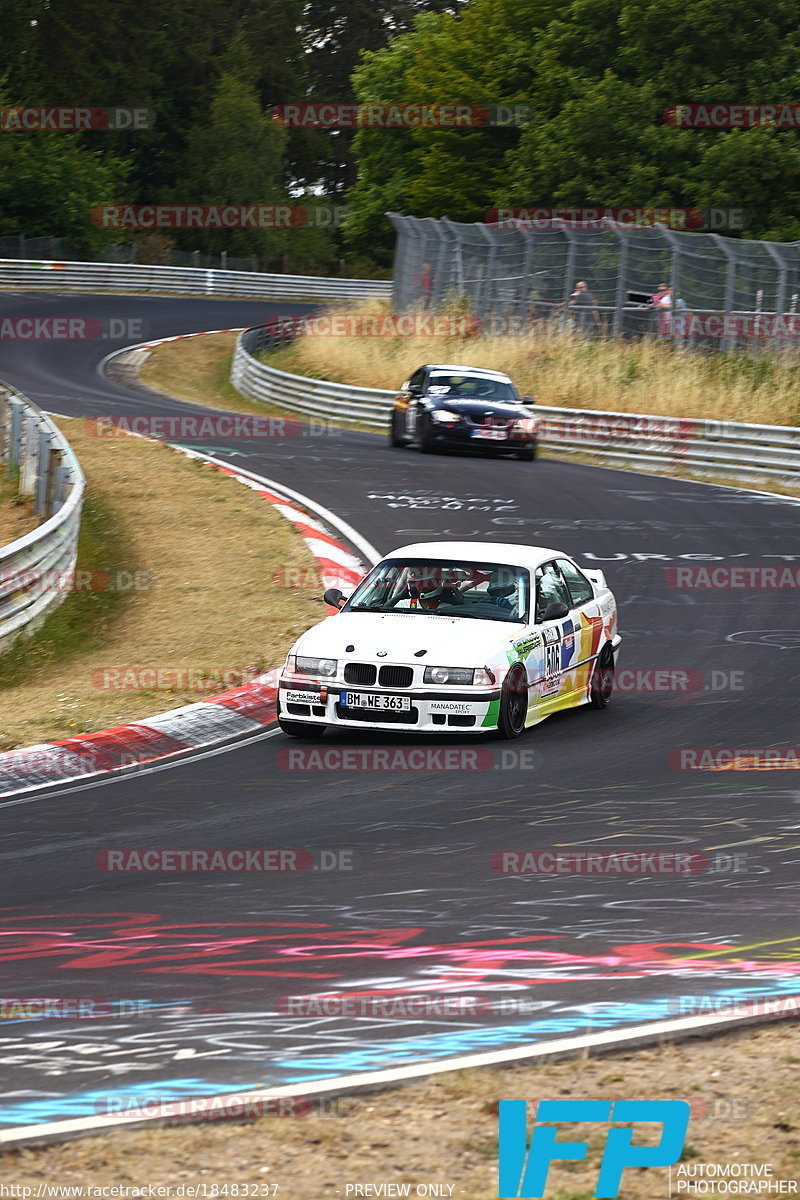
(523, 1169)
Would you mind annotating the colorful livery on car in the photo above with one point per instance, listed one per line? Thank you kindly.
(445, 637)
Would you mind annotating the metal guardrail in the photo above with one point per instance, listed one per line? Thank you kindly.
(725, 448)
(36, 570)
(23, 275)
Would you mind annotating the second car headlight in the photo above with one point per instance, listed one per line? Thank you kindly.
(323, 667)
(443, 417)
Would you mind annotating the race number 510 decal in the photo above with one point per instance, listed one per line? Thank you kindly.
(523, 1170)
(552, 661)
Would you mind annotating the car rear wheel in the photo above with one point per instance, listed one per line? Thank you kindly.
(513, 703)
(603, 678)
(396, 439)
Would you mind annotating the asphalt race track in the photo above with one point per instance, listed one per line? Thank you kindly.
(195, 969)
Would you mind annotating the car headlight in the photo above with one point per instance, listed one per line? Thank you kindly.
(526, 425)
(459, 675)
(324, 667)
(442, 417)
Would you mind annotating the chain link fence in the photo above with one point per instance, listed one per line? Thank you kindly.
(726, 293)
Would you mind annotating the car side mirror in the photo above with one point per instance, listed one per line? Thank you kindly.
(528, 400)
(555, 610)
(334, 597)
(414, 389)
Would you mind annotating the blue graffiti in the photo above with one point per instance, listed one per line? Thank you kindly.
(446, 1045)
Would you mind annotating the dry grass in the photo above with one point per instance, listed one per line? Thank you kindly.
(559, 369)
(16, 512)
(212, 546)
(197, 369)
(743, 1088)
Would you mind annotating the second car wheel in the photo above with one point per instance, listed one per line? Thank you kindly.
(513, 703)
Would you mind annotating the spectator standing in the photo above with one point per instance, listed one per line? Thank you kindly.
(582, 303)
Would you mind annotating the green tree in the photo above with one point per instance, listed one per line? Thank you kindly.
(49, 184)
(479, 59)
(234, 156)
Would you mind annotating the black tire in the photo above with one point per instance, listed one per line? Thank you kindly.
(302, 729)
(395, 439)
(527, 455)
(513, 703)
(425, 441)
(603, 678)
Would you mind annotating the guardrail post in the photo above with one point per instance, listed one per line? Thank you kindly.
(61, 480)
(27, 466)
(45, 442)
(52, 482)
(4, 426)
(14, 444)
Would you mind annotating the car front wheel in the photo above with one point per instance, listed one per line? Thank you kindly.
(396, 439)
(425, 439)
(513, 703)
(603, 678)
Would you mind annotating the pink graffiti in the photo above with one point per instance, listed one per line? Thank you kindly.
(142, 942)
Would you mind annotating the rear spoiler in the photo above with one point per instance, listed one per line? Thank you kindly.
(597, 578)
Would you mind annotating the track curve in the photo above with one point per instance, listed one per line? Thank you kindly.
(202, 961)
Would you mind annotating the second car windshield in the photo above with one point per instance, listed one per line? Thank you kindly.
(478, 591)
(472, 387)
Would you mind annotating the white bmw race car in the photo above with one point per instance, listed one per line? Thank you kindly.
(444, 637)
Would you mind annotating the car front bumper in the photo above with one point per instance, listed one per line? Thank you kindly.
(460, 437)
(430, 711)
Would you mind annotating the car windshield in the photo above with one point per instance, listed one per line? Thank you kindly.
(472, 387)
(477, 591)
